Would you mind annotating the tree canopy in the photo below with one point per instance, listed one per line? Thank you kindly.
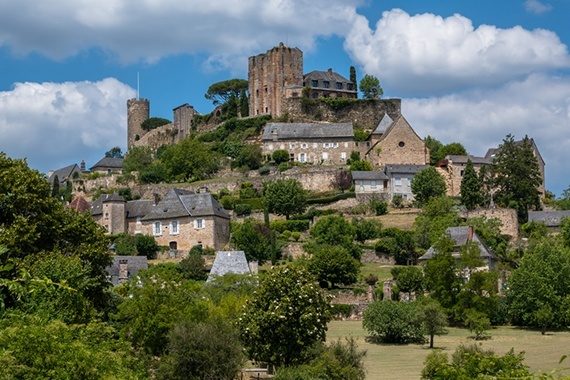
(114, 152)
(471, 195)
(284, 197)
(370, 87)
(221, 92)
(428, 184)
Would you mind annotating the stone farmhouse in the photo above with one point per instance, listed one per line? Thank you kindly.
(316, 143)
(108, 165)
(452, 168)
(181, 220)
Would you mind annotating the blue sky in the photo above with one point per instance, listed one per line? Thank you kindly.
(467, 71)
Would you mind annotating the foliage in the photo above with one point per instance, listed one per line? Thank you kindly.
(397, 201)
(147, 246)
(154, 173)
(31, 348)
(379, 207)
(125, 245)
(333, 265)
(433, 319)
(473, 362)
(565, 232)
(534, 230)
(189, 160)
(290, 225)
(517, 176)
(280, 156)
(114, 152)
(284, 197)
(436, 216)
(489, 230)
(478, 323)
(255, 239)
(221, 92)
(393, 322)
(438, 151)
(249, 156)
(366, 229)
(397, 243)
(242, 209)
(540, 283)
(202, 350)
(342, 180)
(153, 123)
(427, 184)
(286, 315)
(408, 279)
(471, 196)
(360, 134)
(370, 87)
(193, 266)
(360, 165)
(334, 230)
(441, 277)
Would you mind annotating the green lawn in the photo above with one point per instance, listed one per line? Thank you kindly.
(382, 271)
(383, 361)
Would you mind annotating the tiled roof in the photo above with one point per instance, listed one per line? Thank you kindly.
(460, 236)
(79, 204)
(229, 262)
(293, 131)
(329, 76)
(109, 162)
(463, 159)
(549, 218)
(179, 203)
(368, 175)
(404, 169)
(134, 265)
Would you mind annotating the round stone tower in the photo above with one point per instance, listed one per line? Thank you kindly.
(138, 110)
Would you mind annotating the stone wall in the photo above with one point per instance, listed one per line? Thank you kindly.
(363, 113)
(507, 216)
(165, 135)
(331, 151)
(400, 146)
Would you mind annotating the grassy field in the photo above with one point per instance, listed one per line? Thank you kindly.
(542, 353)
(398, 219)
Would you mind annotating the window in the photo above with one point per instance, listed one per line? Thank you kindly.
(302, 157)
(315, 145)
(401, 144)
(295, 94)
(257, 92)
(199, 224)
(343, 156)
(314, 83)
(157, 228)
(346, 145)
(266, 109)
(266, 90)
(462, 172)
(174, 227)
(326, 84)
(270, 147)
(291, 156)
(336, 145)
(325, 156)
(304, 145)
(397, 181)
(349, 86)
(338, 85)
(373, 185)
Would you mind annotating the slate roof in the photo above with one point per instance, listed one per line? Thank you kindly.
(460, 235)
(491, 152)
(463, 159)
(368, 175)
(404, 169)
(383, 125)
(295, 131)
(180, 203)
(134, 265)
(108, 162)
(138, 208)
(229, 262)
(549, 218)
(63, 174)
(327, 75)
(97, 205)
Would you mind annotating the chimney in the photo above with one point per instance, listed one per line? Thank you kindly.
(329, 70)
(123, 270)
(470, 233)
(82, 165)
(203, 190)
(156, 198)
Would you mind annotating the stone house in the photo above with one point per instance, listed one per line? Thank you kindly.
(552, 219)
(124, 267)
(452, 168)
(64, 174)
(108, 165)
(324, 84)
(400, 180)
(395, 142)
(316, 143)
(181, 220)
(370, 185)
(461, 236)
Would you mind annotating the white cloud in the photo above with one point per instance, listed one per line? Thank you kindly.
(152, 29)
(538, 106)
(430, 54)
(536, 7)
(55, 124)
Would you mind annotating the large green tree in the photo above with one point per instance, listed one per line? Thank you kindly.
(334, 265)
(471, 196)
(517, 176)
(255, 239)
(433, 319)
(137, 159)
(284, 197)
(436, 216)
(231, 94)
(370, 87)
(189, 160)
(427, 184)
(285, 317)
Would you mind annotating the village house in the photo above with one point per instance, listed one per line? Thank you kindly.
(67, 173)
(108, 165)
(370, 185)
(400, 180)
(181, 220)
(395, 142)
(452, 169)
(316, 143)
(324, 84)
(461, 236)
(552, 219)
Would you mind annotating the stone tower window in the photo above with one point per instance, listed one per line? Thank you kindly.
(401, 144)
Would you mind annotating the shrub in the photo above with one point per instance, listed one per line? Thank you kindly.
(334, 265)
(247, 191)
(264, 170)
(283, 166)
(340, 310)
(291, 225)
(366, 229)
(280, 156)
(228, 201)
(478, 323)
(242, 209)
(393, 322)
(193, 266)
(295, 235)
(379, 207)
(146, 246)
(397, 201)
(285, 235)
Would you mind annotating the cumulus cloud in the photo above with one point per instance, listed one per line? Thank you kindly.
(151, 29)
(538, 106)
(428, 53)
(536, 7)
(60, 123)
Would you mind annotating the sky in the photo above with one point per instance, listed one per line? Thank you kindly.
(466, 71)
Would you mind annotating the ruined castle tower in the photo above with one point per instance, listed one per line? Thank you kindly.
(269, 75)
(183, 116)
(138, 110)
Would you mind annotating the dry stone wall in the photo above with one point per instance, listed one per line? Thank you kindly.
(507, 217)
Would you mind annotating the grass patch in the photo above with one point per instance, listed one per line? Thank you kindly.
(403, 221)
(386, 361)
(382, 271)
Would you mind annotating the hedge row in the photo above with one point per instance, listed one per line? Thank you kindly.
(290, 225)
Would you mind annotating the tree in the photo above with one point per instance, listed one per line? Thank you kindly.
(436, 216)
(243, 103)
(471, 187)
(125, 245)
(453, 148)
(285, 317)
(366, 229)
(193, 266)
(434, 320)
(478, 323)
(137, 159)
(55, 187)
(228, 92)
(517, 176)
(398, 244)
(540, 285)
(114, 152)
(370, 87)
(565, 232)
(189, 160)
(334, 265)
(352, 78)
(427, 184)
(249, 156)
(434, 147)
(342, 180)
(255, 239)
(408, 279)
(441, 277)
(393, 322)
(203, 350)
(280, 155)
(284, 197)
(153, 123)
(334, 230)
(360, 165)
(146, 246)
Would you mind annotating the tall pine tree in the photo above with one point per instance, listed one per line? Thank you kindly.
(471, 196)
(517, 176)
(353, 79)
